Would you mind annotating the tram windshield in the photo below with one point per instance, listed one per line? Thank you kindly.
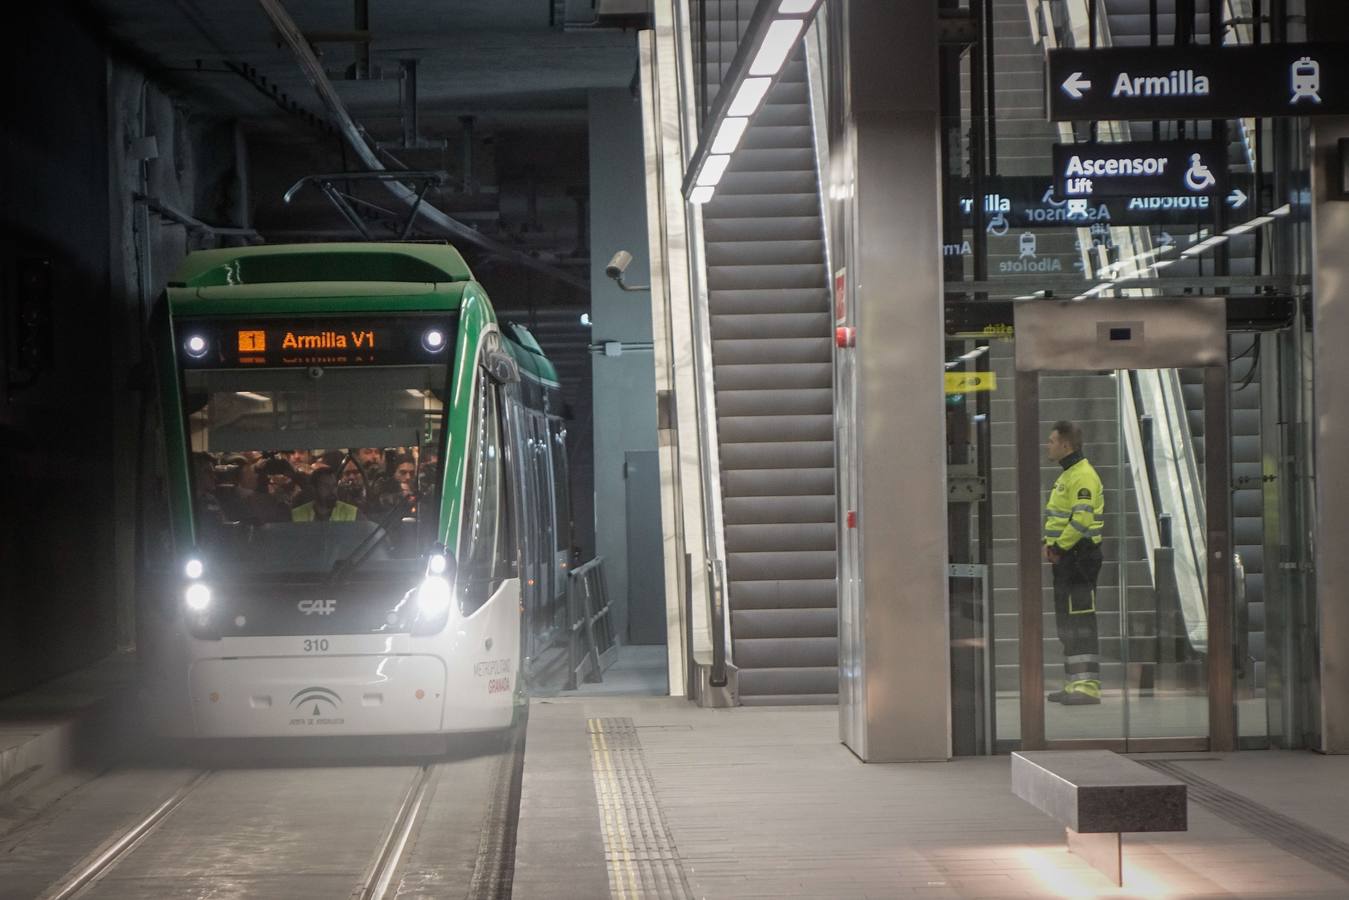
(315, 471)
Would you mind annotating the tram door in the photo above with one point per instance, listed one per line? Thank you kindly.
(1125, 641)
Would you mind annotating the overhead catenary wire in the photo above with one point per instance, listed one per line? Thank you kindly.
(354, 136)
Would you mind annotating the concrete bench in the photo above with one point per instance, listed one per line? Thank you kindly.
(1098, 795)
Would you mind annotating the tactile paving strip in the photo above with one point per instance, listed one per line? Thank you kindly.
(1307, 843)
(638, 847)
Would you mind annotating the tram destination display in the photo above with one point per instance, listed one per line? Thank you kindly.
(1140, 83)
(310, 342)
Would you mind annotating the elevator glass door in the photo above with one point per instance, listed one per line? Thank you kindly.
(1123, 650)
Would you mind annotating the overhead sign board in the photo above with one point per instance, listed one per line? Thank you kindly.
(1138, 83)
(1016, 202)
(1141, 169)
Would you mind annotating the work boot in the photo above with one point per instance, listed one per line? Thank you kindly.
(1082, 692)
(1056, 696)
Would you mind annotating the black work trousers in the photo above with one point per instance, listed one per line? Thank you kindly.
(1075, 610)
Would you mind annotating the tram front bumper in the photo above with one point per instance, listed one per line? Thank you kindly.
(317, 695)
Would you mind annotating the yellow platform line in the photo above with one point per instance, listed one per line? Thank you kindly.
(623, 878)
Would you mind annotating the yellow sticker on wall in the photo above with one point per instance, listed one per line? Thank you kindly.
(969, 382)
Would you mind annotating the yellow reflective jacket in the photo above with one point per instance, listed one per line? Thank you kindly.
(1076, 507)
(342, 512)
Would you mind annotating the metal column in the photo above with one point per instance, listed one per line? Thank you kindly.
(886, 175)
(1030, 621)
(1330, 291)
(1222, 712)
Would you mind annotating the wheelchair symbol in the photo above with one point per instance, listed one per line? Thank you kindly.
(1198, 177)
(997, 226)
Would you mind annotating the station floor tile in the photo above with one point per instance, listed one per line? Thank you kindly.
(766, 802)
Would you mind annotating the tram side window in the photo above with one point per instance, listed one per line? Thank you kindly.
(513, 441)
(485, 545)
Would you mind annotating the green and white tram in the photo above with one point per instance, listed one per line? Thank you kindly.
(366, 517)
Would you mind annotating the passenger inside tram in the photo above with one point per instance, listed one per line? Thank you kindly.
(351, 483)
(405, 468)
(300, 460)
(326, 505)
(261, 487)
(371, 459)
(315, 467)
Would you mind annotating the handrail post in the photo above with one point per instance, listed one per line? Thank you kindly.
(1245, 673)
(690, 663)
(717, 620)
(573, 634)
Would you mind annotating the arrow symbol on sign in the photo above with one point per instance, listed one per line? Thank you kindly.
(1075, 85)
(1165, 239)
(1236, 199)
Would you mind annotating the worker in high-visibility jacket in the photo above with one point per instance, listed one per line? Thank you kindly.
(1072, 540)
(325, 507)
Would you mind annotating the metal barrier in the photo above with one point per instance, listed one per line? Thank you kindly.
(590, 644)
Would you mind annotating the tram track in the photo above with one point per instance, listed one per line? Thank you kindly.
(381, 875)
(485, 818)
(494, 865)
(109, 855)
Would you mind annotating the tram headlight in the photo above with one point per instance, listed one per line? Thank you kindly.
(437, 564)
(193, 569)
(434, 340)
(433, 597)
(196, 346)
(197, 597)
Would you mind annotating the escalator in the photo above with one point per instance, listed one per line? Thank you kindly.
(771, 334)
(1247, 495)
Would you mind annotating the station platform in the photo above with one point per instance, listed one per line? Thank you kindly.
(655, 797)
(67, 727)
(627, 796)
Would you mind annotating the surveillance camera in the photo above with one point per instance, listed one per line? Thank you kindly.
(619, 264)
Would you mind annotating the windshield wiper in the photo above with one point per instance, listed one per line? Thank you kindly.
(348, 564)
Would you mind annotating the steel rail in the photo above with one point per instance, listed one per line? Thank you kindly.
(88, 872)
(396, 840)
(355, 137)
(494, 865)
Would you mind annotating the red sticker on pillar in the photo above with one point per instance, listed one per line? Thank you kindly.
(840, 296)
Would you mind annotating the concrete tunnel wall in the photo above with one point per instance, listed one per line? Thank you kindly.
(69, 433)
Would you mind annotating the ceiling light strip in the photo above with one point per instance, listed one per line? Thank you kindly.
(773, 31)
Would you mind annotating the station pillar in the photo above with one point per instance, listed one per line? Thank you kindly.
(884, 175)
(1330, 315)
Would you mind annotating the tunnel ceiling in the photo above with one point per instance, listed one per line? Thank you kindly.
(494, 58)
(521, 75)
